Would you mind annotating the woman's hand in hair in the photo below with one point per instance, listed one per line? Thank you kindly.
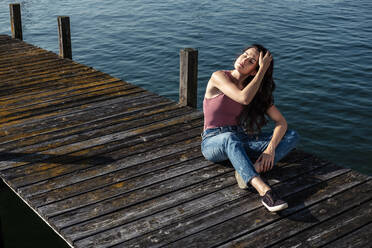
(264, 61)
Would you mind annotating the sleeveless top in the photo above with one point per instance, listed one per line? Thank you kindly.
(221, 111)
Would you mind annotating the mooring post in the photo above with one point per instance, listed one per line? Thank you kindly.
(64, 37)
(15, 20)
(188, 77)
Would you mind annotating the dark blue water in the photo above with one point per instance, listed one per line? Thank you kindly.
(322, 52)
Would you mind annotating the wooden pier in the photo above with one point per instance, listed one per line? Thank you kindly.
(108, 164)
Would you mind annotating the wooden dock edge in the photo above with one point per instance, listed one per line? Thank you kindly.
(34, 210)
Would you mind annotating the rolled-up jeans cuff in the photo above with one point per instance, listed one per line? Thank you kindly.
(247, 178)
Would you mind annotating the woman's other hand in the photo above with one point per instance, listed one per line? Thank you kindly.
(265, 161)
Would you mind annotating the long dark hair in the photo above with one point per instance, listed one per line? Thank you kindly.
(253, 117)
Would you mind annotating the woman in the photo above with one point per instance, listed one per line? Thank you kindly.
(235, 105)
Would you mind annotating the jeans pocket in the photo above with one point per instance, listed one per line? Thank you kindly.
(209, 134)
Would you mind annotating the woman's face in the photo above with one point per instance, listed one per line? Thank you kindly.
(247, 62)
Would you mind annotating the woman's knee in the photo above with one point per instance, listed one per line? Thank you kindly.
(292, 136)
(213, 151)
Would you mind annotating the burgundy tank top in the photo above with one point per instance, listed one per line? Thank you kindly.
(221, 111)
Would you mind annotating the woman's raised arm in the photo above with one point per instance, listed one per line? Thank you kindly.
(244, 96)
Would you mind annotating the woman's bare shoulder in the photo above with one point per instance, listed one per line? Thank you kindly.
(219, 74)
(212, 89)
(219, 77)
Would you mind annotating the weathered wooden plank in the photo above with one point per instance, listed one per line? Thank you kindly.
(20, 58)
(98, 132)
(6, 45)
(202, 182)
(307, 192)
(107, 86)
(110, 109)
(5, 38)
(59, 73)
(201, 192)
(80, 77)
(14, 48)
(62, 80)
(41, 71)
(136, 145)
(96, 123)
(50, 96)
(75, 96)
(360, 238)
(13, 44)
(28, 56)
(10, 44)
(95, 133)
(126, 119)
(68, 174)
(20, 52)
(22, 55)
(59, 109)
(65, 105)
(333, 204)
(122, 187)
(331, 228)
(224, 201)
(29, 64)
(50, 73)
(84, 149)
(130, 198)
(95, 159)
(64, 127)
(7, 128)
(21, 92)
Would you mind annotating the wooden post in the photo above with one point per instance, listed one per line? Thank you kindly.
(188, 77)
(64, 37)
(15, 20)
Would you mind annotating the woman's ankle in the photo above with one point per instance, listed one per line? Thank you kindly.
(260, 185)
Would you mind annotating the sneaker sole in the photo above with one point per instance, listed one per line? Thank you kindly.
(276, 208)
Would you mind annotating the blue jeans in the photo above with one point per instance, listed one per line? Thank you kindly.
(232, 143)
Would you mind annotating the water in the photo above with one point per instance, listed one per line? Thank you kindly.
(322, 52)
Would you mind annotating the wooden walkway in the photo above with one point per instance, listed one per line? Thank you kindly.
(108, 164)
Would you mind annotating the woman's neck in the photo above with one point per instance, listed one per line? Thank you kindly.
(238, 76)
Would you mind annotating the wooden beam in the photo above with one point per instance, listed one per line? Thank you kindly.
(64, 37)
(188, 77)
(15, 20)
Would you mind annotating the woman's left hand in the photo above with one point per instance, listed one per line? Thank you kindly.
(266, 159)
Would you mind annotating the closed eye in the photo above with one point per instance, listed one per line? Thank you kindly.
(252, 60)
